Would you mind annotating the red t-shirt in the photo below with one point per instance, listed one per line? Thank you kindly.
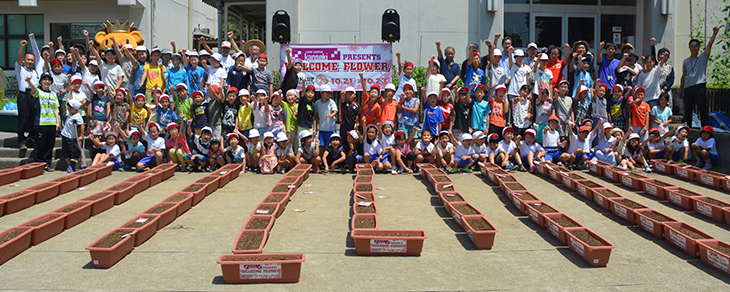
(496, 117)
(371, 114)
(181, 143)
(448, 110)
(388, 111)
(557, 70)
(638, 114)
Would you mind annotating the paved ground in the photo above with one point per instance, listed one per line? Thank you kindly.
(183, 255)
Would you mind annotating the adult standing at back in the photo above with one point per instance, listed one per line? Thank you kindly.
(449, 68)
(27, 65)
(694, 80)
(556, 65)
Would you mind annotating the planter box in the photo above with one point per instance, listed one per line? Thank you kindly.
(123, 194)
(211, 184)
(16, 245)
(294, 180)
(710, 178)
(558, 230)
(664, 166)
(388, 242)
(569, 179)
(596, 256)
(271, 219)
(613, 173)
(522, 199)
(682, 197)
(710, 208)
(446, 197)
(289, 189)
(686, 172)
(198, 195)
(450, 207)
(712, 257)
(446, 187)
(368, 197)
(657, 188)
(597, 168)
(105, 257)
(246, 270)
(355, 217)
(53, 226)
(66, 183)
(538, 216)
(45, 191)
(155, 176)
(481, 237)
(458, 215)
(633, 181)
(17, 201)
(2, 207)
(682, 241)
(271, 209)
(103, 170)
(32, 169)
(652, 225)
(141, 182)
(86, 176)
(243, 233)
(223, 177)
(495, 174)
(145, 226)
(541, 169)
(166, 216)
(183, 200)
(10, 175)
(622, 207)
(604, 200)
(512, 187)
(441, 178)
(554, 173)
(358, 208)
(100, 203)
(81, 212)
(585, 188)
(283, 200)
(726, 183)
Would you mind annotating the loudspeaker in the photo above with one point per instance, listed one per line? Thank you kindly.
(280, 30)
(391, 26)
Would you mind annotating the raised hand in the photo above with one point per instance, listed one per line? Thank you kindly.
(488, 43)
(602, 44)
(715, 30)
(653, 41)
(438, 43)
(23, 43)
(288, 51)
(397, 54)
(86, 33)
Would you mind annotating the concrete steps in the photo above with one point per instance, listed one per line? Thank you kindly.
(12, 156)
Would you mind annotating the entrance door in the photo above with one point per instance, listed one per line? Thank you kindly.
(559, 28)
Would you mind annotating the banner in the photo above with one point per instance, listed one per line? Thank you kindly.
(339, 65)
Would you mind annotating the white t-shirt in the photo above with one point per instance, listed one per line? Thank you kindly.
(576, 143)
(496, 152)
(709, 144)
(519, 113)
(227, 62)
(373, 148)
(479, 149)
(550, 138)
(259, 116)
(158, 143)
(463, 151)
(282, 151)
(653, 145)
(449, 147)
(534, 148)
(112, 151)
(238, 152)
(110, 74)
(507, 147)
(216, 74)
(90, 79)
(387, 141)
(650, 83)
(425, 148)
(678, 144)
(433, 83)
(518, 77)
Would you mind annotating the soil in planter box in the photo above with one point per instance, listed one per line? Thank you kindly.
(606, 193)
(288, 180)
(258, 224)
(10, 235)
(280, 189)
(392, 235)
(193, 188)
(368, 209)
(441, 188)
(111, 239)
(714, 202)
(719, 248)
(661, 183)
(636, 176)
(685, 192)
(479, 224)
(590, 184)
(586, 237)
(206, 179)
(689, 233)
(368, 198)
(544, 208)
(137, 224)
(274, 199)
(249, 241)
(81, 172)
(364, 179)
(136, 179)
(160, 209)
(453, 198)
(508, 179)
(40, 187)
(98, 196)
(466, 210)
(294, 173)
(71, 208)
(629, 204)
(574, 176)
(40, 222)
(267, 208)
(526, 197)
(120, 187)
(564, 222)
(441, 178)
(655, 216)
(499, 171)
(17, 195)
(515, 187)
(364, 188)
(260, 259)
(176, 199)
(364, 223)
(366, 172)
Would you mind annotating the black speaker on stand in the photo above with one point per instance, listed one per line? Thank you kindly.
(391, 26)
(280, 27)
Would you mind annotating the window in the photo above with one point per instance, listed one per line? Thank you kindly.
(548, 31)
(72, 33)
(517, 26)
(625, 22)
(15, 28)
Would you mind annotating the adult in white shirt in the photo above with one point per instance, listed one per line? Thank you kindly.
(27, 65)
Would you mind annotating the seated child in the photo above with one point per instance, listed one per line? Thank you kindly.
(634, 153)
(215, 155)
(112, 152)
(530, 150)
(705, 149)
(580, 146)
(654, 147)
(197, 159)
(134, 150)
(284, 154)
(155, 147)
(268, 160)
(679, 146)
(550, 139)
(480, 149)
(510, 148)
(445, 151)
(495, 154)
(464, 154)
(372, 150)
(177, 146)
(353, 150)
(424, 150)
(606, 149)
(308, 152)
(401, 152)
(334, 154)
(234, 152)
(253, 154)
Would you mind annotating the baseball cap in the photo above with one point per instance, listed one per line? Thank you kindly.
(375, 86)
(231, 135)
(497, 52)
(544, 57)
(406, 64)
(206, 128)
(226, 44)
(181, 86)
(640, 89)
(268, 135)
(111, 133)
(493, 137)
(531, 132)
(281, 137)
(74, 103)
(584, 129)
(310, 87)
(138, 96)
(500, 87)
(243, 92)
(466, 136)
(507, 129)
(463, 89)
(335, 135)
(350, 89)
(519, 53)
(708, 129)
(532, 45)
(133, 132)
(634, 136)
(432, 93)
(172, 125)
(164, 97)
(390, 86)
(353, 134)
(141, 48)
(325, 88)
(478, 134)
(98, 83)
(263, 56)
(554, 118)
(303, 134)
(253, 133)
(218, 57)
(76, 78)
(260, 91)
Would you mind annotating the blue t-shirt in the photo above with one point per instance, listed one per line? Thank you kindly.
(238, 79)
(194, 76)
(98, 107)
(587, 82)
(67, 70)
(139, 147)
(479, 113)
(432, 117)
(165, 116)
(607, 72)
(138, 75)
(200, 115)
(175, 77)
(450, 71)
(474, 76)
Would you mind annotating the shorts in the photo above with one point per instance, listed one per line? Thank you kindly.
(149, 161)
(116, 163)
(461, 163)
(324, 137)
(407, 129)
(520, 131)
(713, 158)
(373, 157)
(495, 129)
(660, 154)
(70, 148)
(677, 155)
(234, 158)
(386, 157)
(97, 128)
(552, 154)
(198, 160)
(408, 157)
(588, 156)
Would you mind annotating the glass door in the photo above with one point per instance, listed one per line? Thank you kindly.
(559, 28)
(582, 28)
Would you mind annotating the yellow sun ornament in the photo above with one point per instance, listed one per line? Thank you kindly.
(122, 33)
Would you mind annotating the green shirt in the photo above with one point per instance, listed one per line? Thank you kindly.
(48, 102)
(291, 117)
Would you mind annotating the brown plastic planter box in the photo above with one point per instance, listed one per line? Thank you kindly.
(155, 176)
(710, 208)
(613, 173)
(81, 212)
(512, 187)
(446, 197)
(250, 270)
(105, 257)
(388, 242)
(450, 207)
(17, 201)
(104, 170)
(282, 201)
(444, 187)
(482, 238)
(16, 245)
(32, 169)
(100, 203)
(537, 216)
(621, 207)
(494, 174)
(585, 188)
(224, 177)
(603, 200)
(652, 225)
(521, 199)
(682, 241)
(710, 178)
(363, 197)
(45, 230)
(259, 210)
(45, 191)
(664, 166)
(686, 172)
(569, 179)
(2, 207)
(291, 188)
(682, 197)
(249, 251)
(183, 200)
(10, 175)
(271, 219)
(657, 188)
(712, 257)
(541, 169)
(558, 230)
(86, 176)
(458, 215)
(633, 180)
(141, 182)
(124, 194)
(165, 217)
(432, 178)
(292, 180)
(198, 195)
(147, 229)
(66, 183)
(554, 173)
(726, 183)
(364, 216)
(597, 168)
(356, 208)
(596, 256)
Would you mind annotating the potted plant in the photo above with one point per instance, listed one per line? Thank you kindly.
(594, 249)
(713, 253)
(75, 213)
(66, 183)
(682, 197)
(627, 209)
(603, 197)
(457, 210)
(250, 241)
(198, 191)
(281, 199)
(145, 226)
(537, 211)
(664, 166)
(45, 227)
(365, 208)
(267, 209)
(480, 231)
(560, 224)
(653, 222)
(111, 247)
(388, 242)
(259, 222)
(657, 188)
(14, 241)
(45, 191)
(521, 199)
(585, 188)
(86, 176)
(183, 200)
(32, 169)
(100, 202)
(710, 208)
(167, 213)
(10, 175)
(19, 200)
(141, 182)
(685, 237)
(364, 221)
(446, 197)
(124, 191)
(633, 180)
(263, 268)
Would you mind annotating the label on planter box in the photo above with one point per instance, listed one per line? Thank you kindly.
(682, 172)
(553, 175)
(727, 183)
(675, 199)
(265, 271)
(627, 181)
(470, 234)
(533, 215)
(703, 208)
(567, 183)
(457, 218)
(593, 168)
(650, 189)
(599, 200)
(388, 245)
(677, 239)
(582, 190)
(491, 176)
(620, 211)
(660, 167)
(516, 202)
(718, 260)
(554, 229)
(708, 180)
(646, 224)
(608, 173)
(577, 247)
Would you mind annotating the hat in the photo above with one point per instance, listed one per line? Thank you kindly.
(232, 135)
(121, 89)
(399, 133)
(156, 89)
(275, 94)
(482, 87)
(530, 131)
(197, 93)
(172, 125)
(153, 124)
(586, 58)
(60, 51)
(436, 62)
(226, 44)
(500, 87)
(390, 86)
(607, 125)
(94, 62)
(584, 121)
(253, 133)
(98, 83)
(263, 56)
(218, 57)
(204, 53)
(155, 50)
(268, 135)
(260, 91)
(445, 90)
(133, 132)
(56, 61)
(682, 127)
(335, 135)
(544, 57)
(475, 53)
(389, 123)
(519, 53)
(408, 85)
(164, 97)
(128, 47)
(604, 86)
(310, 87)
(281, 137)
(141, 48)
(176, 55)
(634, 136)
(353, 134)
(74, 103)
(234, 89)
(493, 137)
(75, 78)
(640, 89)
(463, 89)
(303, 134)
(564, 81)
(432, 93)
(325, 88)
(166, 52)
(206, 128)
(497, 52)
(478, 134)
(375, 86)
(615, 130)
(619, 87)
(444, 132)
(138, 96)
(532, 45)
(254, 42)
(181, 86)
(466, 136)
(298, 61)
(708, 129)
(191, 53)
(554, 118)
(507, 129)
(110, 133)
(406, 64)
(584, 128)
(654, 130)
(243, 92)
(583, 89)
(350, 89)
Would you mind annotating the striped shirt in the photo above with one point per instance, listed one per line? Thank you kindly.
(48, 103)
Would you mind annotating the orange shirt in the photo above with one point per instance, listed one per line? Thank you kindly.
(638, 114)
(388, 112)
(371, 114)
(496, 117)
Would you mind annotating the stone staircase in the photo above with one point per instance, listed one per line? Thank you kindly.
(12, 156)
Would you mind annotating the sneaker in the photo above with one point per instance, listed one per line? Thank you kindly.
(81, 167)
(522, 168)
(393, 171)
(48, 168)
(623, 167)
(178, 168)
(22, 146)
(560, 163)
(281, 170)
(316, 169)
(466, 170)
(126, 168)
(682, 162)
(647, 169)
(400, 170)
(69, 169)
(211, 169)
(452, 170)
(532, 169)
(570, 166)
(708, 166)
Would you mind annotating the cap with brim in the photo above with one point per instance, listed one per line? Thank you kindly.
(243, 92)
(153, 125)
(507, 129)
(304, 134)
(584, 129)
(281, 137)
(166, 52)
(583, 89)
(268, 135)
(350, 89)
(46, 75)
(683, 127)
(604, 86)
(155, 50)
(231, 135)
(200, 93)
(554, 118)
(122, 90)
(335, 136)
(133, 132)
(616, 130)
(260, 91)
(275, 94)
(407, 64)
(443, 132)
(607, 125)
(618, 86)
(164, 97)
(176, 55)
(172, 125)
(478, 134)
(206, 128)
(310, 87)
(497, 52)
(60, 51)
(226, 44)
(375, 86)
(564, 82)
(388, 123)
(432, 93)
(204, 53)
(493, 137)
(98, 83)
(253, 133)
(408, 85)
(181, 86)
(263, 56)
(353, 134)
(298, 61)
(708, 129)
(218, 57)
(232, 89)
(436, 62)
(128, 46)
(138, 96)
(325, 88)
(532, 45)
(390, 86)
(482, 87)
(654, 130)
(191, 53)
(93, 63)
(76, 78)
(640, 89)
(56, 61)
(445, 90)
(634, 136)
(463, 89)
(466, 136)
(519, 53)
(156, 89)
(74, 103)
(586, 120)
(110, 133)
(141, 48)
(544, 57)
(500, 87)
